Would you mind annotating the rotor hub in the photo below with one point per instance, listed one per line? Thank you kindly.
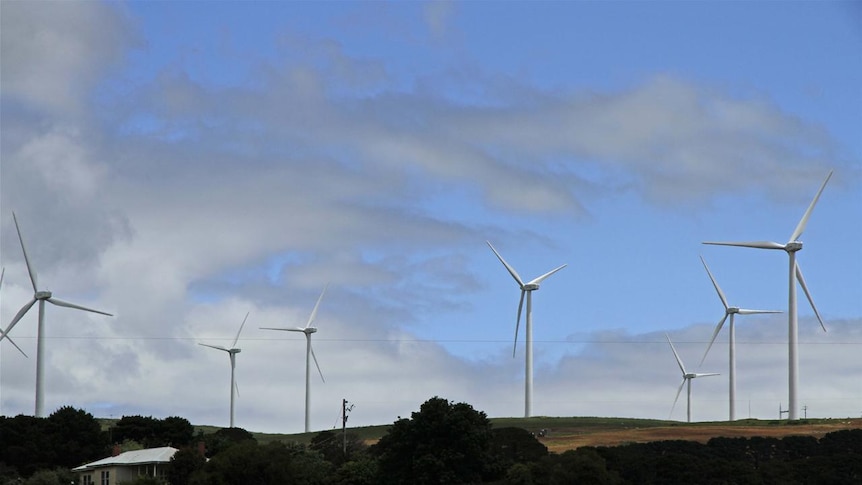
(732, 309)
(42, 295)
(310, 330)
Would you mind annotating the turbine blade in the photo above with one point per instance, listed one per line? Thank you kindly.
(712, 340)
(678, 391)
(240, 330)
(236, 386)
(316, 305)
(705, 375)
(804, 221)
(26, 258)
(748, 244)
(72, 305)
(315, 363)
(3, 335)
(18, 317)
(678, 360)
(511, 269)
(745, 311)
(717, 288)
(283, 329)
(549, 273)
(808, 295)
(2, 273)
(217, 347)
(518, 322)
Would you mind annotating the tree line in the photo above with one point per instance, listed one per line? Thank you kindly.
(442, 442)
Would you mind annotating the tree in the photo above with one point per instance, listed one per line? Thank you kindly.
(185, 462)
(441, 443)
(331, 445)
(176, 431)
(251, 464)
(76, 436)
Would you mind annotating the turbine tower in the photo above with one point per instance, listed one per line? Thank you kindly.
(2, 333)
(686, 378)
(526, 289)
(795, 274)
(729, 311)
(41, 296)
(232, 351)
(309, 354)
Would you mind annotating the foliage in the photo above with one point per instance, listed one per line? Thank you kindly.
(331, 446)
(57, 476)
(225, 438)
(66, 438)
(441, 443)
(249, 463)
(185, 462)
(152, 433)
(515, 445)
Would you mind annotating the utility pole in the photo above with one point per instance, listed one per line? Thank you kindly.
(344, 410)
(805, 410)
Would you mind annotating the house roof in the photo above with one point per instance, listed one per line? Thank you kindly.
(135, 457)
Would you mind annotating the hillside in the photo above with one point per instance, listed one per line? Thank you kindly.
(567, 433)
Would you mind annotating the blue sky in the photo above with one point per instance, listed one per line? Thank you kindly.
(180, 164)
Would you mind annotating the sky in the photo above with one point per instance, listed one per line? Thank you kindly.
(181, 164)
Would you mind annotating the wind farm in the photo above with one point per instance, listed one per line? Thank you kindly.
(791, 247)
(687, 377)
(179, 178)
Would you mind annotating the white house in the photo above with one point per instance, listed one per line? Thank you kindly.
(127, 466)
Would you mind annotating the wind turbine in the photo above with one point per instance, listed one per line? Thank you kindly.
(309, 354)
(41, 296)
(795, 274)
(526, 289)
(729, 311)
(2, 333)
(686, 378)
(232, 351)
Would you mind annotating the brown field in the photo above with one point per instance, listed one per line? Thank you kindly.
(562, 439)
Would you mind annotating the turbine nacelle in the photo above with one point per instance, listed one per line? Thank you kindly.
(42, 295)
(793, 246)
(530, 287)
(732, 309)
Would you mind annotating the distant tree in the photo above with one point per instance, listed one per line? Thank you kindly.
(441, 443)
(331, 446)
(515, 445)
(224, 439)
(362, 471)
(274, 463)
(57, 476)
(176, 431)
(185, 462)
(143, 429)
(76, 436)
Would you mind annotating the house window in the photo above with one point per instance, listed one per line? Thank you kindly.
(87, 480)
(106, 478)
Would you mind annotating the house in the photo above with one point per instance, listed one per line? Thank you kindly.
(127, 466)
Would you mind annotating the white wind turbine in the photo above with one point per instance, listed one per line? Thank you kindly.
(2, 333)
(729, 311)
(526, 289)
(686, 378)
(232, 351)
(795, 274)
(309, 354)
(41, 296)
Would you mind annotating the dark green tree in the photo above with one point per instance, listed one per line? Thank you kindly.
(185, 462)
(251, 464)
(225, 438)
(331, 446)
(75, 436)
(175, 431)
(441, 443)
